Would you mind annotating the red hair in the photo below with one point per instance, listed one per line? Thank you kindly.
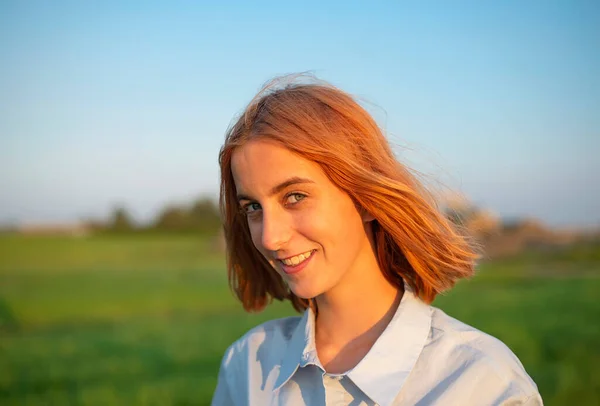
(414, 241)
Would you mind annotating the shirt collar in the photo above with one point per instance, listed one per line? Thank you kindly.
(383, 371)
(301, 350)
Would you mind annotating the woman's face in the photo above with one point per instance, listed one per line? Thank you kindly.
(309, 230)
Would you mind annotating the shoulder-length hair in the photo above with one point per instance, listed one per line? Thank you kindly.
(414, 241)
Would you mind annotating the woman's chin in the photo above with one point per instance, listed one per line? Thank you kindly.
(305, 292)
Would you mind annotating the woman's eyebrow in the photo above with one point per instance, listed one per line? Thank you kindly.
(291, 181)
(277, 189)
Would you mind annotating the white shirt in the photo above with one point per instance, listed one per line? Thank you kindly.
(423, 357)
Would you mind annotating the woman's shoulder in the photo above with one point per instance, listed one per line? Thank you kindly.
(473, 350)
(252, 360)
(266, 342)
(458, 334)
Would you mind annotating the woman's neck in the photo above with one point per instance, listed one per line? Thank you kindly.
(352, 316)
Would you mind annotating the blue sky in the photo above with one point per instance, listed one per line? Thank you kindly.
(107, 103)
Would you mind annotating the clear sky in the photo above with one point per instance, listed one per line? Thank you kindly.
(108, 103)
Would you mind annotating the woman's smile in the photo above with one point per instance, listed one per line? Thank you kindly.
(296, 263)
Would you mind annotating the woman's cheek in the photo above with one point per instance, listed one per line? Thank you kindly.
(309, 222)
(256, 236)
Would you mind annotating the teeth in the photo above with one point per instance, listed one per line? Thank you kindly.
(297, 259)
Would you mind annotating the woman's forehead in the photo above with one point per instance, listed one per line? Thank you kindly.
(260, 165)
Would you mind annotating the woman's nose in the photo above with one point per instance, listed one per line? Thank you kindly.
(276, 230)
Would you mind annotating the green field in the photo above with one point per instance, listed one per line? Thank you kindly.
(145, 320)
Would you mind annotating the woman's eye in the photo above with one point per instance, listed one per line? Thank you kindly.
(251, 207)
(294, 198)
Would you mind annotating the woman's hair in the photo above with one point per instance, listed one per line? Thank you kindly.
(414, 241)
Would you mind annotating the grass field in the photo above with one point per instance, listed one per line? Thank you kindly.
(145, 320)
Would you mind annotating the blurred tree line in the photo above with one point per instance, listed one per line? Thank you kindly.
(202, 216)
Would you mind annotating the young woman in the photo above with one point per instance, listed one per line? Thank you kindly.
(318, 211)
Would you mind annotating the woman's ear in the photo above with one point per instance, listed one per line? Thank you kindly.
(366, 216)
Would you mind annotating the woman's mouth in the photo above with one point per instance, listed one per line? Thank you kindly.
(296, 263)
